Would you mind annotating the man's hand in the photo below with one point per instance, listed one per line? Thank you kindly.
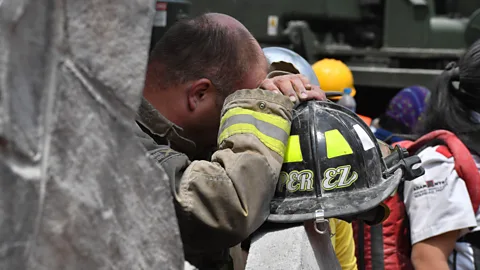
(295, 86)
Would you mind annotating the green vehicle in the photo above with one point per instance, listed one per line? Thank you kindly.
(388, 44)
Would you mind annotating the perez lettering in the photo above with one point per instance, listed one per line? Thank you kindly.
(331, 181)
(296, 181)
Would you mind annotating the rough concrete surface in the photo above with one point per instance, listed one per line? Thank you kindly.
(76, 190)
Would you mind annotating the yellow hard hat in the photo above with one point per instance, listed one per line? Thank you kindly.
(334, 75)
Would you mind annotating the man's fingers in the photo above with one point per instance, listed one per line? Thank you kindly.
(286, 87)
(270, 85)
(299, 88)
(304, 79)
(294, 86)
(316, 93)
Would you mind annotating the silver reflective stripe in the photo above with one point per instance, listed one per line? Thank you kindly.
(264, 127)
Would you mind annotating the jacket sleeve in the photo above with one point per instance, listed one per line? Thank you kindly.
(222, 201)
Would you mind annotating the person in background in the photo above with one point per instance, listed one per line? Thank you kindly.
(334, 75)
(402, 114)
(376, 246)
(442, 205)
(343, 243)
(191, 109)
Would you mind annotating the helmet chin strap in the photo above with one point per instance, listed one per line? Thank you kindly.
(321, 224)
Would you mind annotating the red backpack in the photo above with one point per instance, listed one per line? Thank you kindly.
(387, 245)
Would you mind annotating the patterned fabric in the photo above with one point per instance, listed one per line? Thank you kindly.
(407, 105)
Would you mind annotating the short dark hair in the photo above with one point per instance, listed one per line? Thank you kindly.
(200, 47)
(456, 95)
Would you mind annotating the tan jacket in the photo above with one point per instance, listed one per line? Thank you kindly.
(221, 202)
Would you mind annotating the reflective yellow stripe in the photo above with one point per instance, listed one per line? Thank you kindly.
(264, 127)
(265, 117)
(294, 152)
(336, 144)
(242, 128)
(271, 130)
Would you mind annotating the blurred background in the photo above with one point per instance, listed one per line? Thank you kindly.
(387, 44)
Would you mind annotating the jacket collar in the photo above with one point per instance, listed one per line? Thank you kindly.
(162, 128)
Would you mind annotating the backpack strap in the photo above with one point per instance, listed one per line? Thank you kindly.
(404, 144)
(464, 163)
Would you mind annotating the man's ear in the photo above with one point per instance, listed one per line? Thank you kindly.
(197, 92)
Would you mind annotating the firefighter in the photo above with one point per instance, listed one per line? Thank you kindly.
(191, 109)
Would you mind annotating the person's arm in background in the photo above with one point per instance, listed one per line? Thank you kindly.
(439, 210)
(432, 253)
(345, 245)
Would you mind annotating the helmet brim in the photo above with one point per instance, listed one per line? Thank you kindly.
(344, 204)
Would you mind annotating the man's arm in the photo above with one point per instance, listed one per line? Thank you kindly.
(219, 203)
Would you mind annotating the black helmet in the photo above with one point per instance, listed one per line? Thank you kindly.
(333, 167)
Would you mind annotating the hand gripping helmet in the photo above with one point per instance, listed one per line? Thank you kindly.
(334, 167)
(283, 59)
(334, 75)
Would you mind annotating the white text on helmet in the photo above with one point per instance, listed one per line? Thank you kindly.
(296, 181)
(331, 181)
